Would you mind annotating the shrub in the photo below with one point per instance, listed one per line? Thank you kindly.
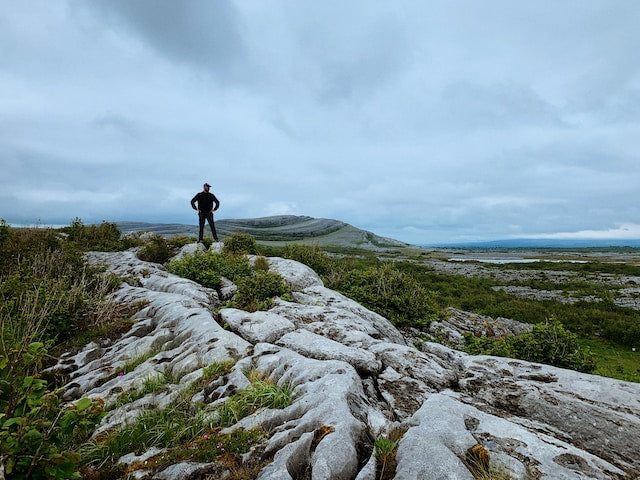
(391, 293)
(255, 292)
(548, 343)
(311, 256)
(239, 243)
(103, 237)
(385, 452)
(39, 436)
(208, 268)
(155, 249)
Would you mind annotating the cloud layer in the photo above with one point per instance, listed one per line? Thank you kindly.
(427, 122)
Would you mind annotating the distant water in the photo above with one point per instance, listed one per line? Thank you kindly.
(502, 261)
(545, 243)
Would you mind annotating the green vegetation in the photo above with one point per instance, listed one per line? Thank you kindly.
(548, 343)
(188, 431)
(47, 295)
(398, 289)
(390, 292)
(104, 237)
(256, 285)
(614, 360)
(256, 292)
(208, 267)
(259, 394)
(385, 452)
(240, 243)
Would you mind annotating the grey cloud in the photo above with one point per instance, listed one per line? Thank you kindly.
(117, 123)
(202, 33)
(471, 105)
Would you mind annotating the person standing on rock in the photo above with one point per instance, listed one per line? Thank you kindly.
(205, 208)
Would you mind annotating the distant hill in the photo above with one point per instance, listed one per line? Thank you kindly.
(280, 229)
(548, 243)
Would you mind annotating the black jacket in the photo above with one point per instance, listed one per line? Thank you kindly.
(205, 202)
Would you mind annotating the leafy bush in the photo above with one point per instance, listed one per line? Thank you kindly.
(208, 268)
(391, 293)
(548, 343)
(155, 249)
(311, 256)
(255, 292)
(39, 436)
(103, 237)
(239, 243)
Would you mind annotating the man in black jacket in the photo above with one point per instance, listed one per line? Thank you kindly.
(205, 210)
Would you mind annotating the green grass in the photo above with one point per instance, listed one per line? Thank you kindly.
(132, 363)
(614, 360)
(186, 429)
(151, 385)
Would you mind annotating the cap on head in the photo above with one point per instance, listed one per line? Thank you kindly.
(207, 185)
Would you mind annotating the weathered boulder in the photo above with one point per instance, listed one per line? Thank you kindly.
(354, 377)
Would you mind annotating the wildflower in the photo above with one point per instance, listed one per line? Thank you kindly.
(121, 374)
(206, 436)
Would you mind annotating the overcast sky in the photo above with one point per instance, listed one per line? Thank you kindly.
(425, 121)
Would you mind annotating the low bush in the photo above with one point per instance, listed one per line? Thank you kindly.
(256, 292)
(39, 435)
(548, 343)
(240, 243)
(311, 256)
(391, 293)
(261, 263)
(208, 268)
(155, 249)
(103, 237)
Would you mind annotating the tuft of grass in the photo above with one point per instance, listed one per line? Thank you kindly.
(259, 394)
(477, 460)
(131, 364)
(261, 263)
(151, 385)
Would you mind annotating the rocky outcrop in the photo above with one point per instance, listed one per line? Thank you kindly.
(354, 377)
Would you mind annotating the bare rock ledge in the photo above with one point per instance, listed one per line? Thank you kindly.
(353, 373)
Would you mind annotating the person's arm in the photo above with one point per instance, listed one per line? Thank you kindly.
(215, 199)
(193, 202)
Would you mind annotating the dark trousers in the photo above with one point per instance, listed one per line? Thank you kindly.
(209, 218)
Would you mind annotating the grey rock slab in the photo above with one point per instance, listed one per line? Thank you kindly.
(186, 250)
(325, 393)
(183, 471)
(131, 458)
(290, 461)
(353, 376)
(257, 326)
(444, 428)
(596, 414)
(354, 315)
(297, 275)
(315, 346)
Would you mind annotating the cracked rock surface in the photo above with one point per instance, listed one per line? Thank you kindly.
(354, 377)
